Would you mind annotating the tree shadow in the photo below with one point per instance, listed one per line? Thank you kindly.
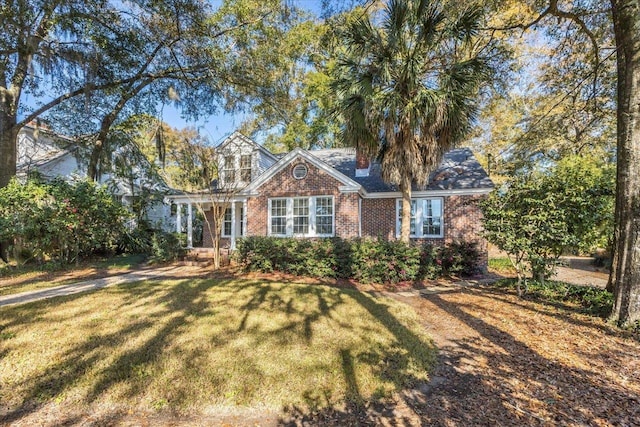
(390, 363)
(180, 301)
(555, 393)
(564, 311)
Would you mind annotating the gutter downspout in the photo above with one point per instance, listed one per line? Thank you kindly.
(359, 216)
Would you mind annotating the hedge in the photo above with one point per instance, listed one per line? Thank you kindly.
(365, 260)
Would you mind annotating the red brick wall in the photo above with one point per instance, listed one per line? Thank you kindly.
(316, 183)
(379, 218)
(462, 215)
(462, 221)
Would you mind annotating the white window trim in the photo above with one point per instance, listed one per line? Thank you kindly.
(222, 232)
(241, 169)
(420, 218)
(286, 218)
(312, 217)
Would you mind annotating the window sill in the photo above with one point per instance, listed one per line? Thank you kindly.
(436, 236)
(303, 236)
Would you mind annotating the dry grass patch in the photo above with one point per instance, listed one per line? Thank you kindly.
(200, 345)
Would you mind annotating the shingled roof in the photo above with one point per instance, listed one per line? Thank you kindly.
(459, 170)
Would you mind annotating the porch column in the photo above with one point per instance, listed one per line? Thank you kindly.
(244, 217)
(189, 226)
(233, 225)
(178, 217)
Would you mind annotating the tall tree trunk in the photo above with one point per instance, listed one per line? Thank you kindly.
(405, 223)
(626, 261)
(99, 144)
(11, 91)
(8, 148)
(9, 129)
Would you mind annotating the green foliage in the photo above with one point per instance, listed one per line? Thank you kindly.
(407, 84)
(587, 184)
(365, 260)
(458, 258)
(537, 217)
(382, 261)
(165, 247)
(135, 241)
(60, 220)
(587, 299)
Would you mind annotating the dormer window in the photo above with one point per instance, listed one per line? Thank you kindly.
(245, 168)
(229, 170)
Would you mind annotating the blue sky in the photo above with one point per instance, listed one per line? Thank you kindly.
(216, 127)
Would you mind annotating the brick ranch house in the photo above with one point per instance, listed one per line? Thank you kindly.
(333, 193)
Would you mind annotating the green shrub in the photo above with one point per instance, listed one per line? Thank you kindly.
(589, 300)
(136, 241)
(165, 247)
(430, 262)
(365, 260)
(60, 221)
(459, 259)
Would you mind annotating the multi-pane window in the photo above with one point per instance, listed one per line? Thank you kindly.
(229, 170)
(279, 217)
(226, 225)
(432, 217)
(426, 217)
(302, 216)
(245, 168)
(324, 215)
(228, 219)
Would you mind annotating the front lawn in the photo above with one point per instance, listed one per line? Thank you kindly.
(197, 346)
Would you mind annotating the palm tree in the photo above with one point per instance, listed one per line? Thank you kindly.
(408, 84)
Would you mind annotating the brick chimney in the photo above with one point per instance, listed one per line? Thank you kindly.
(363, 163)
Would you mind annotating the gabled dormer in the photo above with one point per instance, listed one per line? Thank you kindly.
(241, 160)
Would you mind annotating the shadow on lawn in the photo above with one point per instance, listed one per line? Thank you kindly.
(79, 370)
(390, 364)
(16, 279)
(517, 386)
(181, 300)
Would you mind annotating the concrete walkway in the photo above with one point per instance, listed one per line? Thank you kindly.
(580, 271)
(576, 270)
(94, 284)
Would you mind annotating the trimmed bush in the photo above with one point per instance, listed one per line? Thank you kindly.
(365, 260)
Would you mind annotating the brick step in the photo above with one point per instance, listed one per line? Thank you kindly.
(197, 263)
(203, 253)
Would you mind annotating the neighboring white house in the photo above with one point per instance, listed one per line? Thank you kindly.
(52, 155)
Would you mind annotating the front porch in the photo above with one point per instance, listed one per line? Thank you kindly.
(230, 213)
(203, 257)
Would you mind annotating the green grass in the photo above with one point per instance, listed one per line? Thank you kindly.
(501, 265)
(202, 345)
(585, 299)
(16, 279)
(120, 262)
